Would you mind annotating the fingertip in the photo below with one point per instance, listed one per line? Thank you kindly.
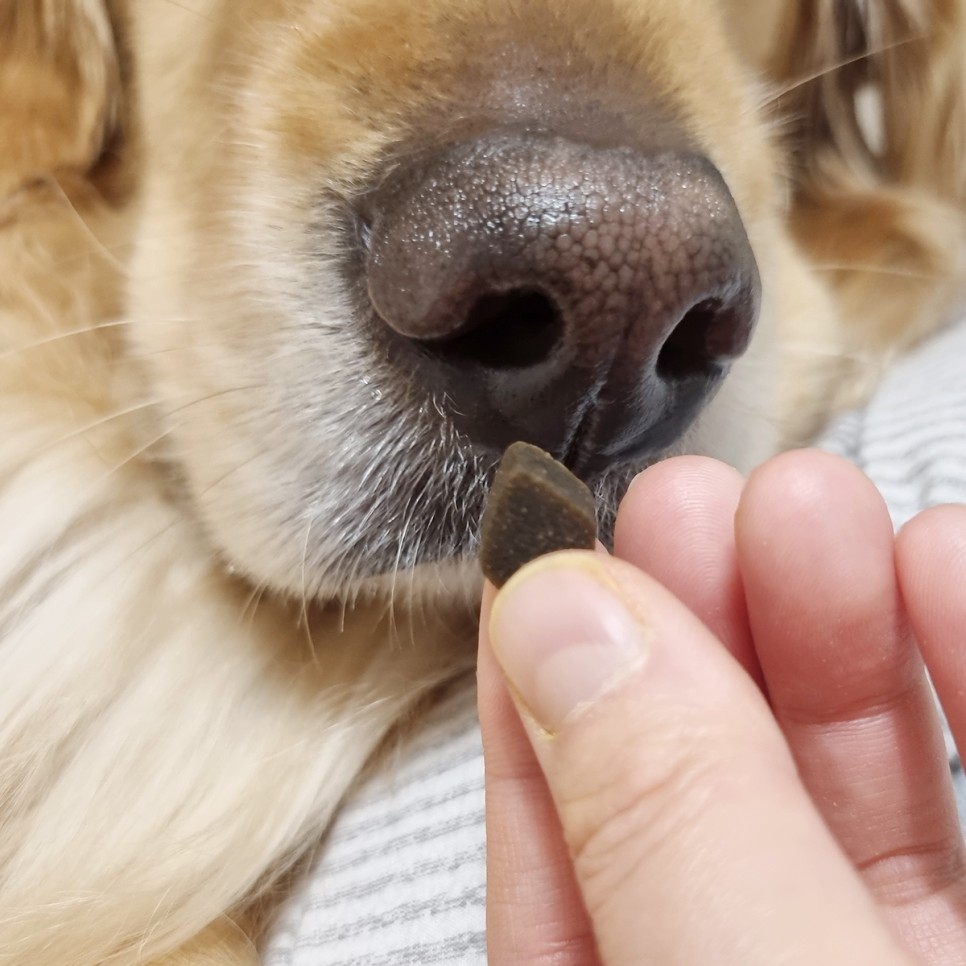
(806, 477)
(673, 503)
(815, 548)
(808, 490)
(672, 487)
(677, 524)
(930, 555)
(563, 634)
(491, 685)
(941, 527)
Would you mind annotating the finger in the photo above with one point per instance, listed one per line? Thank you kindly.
(676, 523)
(847, 686)
(534, 913)
(692, 838)
(931, 563)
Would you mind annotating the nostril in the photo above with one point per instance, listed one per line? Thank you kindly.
(507, 330)
(557, 291)
(704, 338)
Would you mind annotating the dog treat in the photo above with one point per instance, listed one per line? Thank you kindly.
(535, 506)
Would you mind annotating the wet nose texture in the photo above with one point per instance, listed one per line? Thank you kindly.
(585, 299)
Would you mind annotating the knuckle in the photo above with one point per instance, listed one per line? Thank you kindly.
(914, 871)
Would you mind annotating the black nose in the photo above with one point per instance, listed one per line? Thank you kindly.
(588, 300)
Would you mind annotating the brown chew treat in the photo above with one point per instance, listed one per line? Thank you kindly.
(536, 505)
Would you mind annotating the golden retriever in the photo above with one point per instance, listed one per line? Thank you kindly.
(278, 278)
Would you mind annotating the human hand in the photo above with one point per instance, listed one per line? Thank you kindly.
(650, 805)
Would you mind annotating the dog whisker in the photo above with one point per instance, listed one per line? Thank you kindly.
(774, 95)
(219, 481)
(72, 333)
(136, 453)
(304, 597)
(876, 269)
(79, 219)
(252, 602)
(118, 414)
(188, 8)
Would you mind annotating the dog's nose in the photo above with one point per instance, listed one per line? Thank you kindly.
(585, 299)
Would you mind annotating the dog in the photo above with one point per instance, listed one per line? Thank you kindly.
(280, 278)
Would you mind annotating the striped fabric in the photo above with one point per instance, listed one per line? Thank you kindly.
(401, 880)
(402, 877)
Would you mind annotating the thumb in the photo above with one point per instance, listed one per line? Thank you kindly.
(692, 838)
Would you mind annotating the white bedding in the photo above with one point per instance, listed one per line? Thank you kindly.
(401, 880)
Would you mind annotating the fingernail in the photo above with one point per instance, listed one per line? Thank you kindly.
(564, 637)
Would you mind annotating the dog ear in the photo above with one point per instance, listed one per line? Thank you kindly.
(873, 99)
(877, 87)
(60, 86)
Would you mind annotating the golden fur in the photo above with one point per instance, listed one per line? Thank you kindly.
(197, 656)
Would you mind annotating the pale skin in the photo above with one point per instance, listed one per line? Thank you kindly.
(721, 745)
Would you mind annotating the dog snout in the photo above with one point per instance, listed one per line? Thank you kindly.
(587, 299)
